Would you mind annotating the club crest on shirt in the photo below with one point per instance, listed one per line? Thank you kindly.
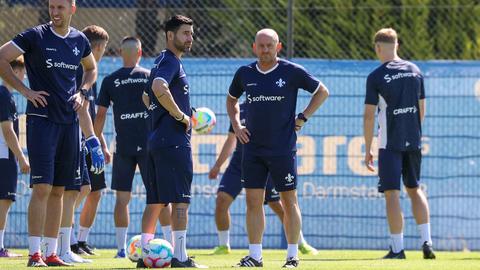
(76, 51)
(280, 83)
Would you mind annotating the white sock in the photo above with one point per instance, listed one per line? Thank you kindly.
(146, 237)
(34, 244)
(73, 237)
(255, 251)
(224, 238)
(121, 234)
(301, 240)
(50, 245)
(167, 233)
(396, 242)
(292, 250)
(180, 245)
(83, 233)
(2, 234)
(425, 233)
(64, 240)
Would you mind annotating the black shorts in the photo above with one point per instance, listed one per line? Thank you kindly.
(393, 165)
(8, 178)
(171, 172)
(123, 171)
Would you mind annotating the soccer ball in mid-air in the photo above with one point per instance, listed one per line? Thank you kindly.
(134, 248)
(203, 120)
(158, 254)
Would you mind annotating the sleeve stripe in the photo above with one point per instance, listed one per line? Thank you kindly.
(162, 79)
(232, 96)
(320, 84)
(18, 47)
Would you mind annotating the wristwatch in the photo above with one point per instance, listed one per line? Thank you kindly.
(302, 117)
(83, 92)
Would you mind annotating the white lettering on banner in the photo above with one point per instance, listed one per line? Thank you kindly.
(305, 153)
(330, 144)
(356, 156)
(310, 190)
(306, 150)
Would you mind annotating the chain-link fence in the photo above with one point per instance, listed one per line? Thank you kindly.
(327, 29)
(341, 207)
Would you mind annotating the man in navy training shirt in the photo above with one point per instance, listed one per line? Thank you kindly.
(10, 152)
(98, 38)
(231, 185)
(53, 52)
(397, 90)
(75, 193)
(269, 137)
(168, 143)
(124, 90)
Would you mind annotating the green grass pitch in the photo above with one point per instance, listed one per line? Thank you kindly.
(274, 259)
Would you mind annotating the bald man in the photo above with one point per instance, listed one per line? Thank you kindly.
(269, 137)
(397, 90)
(124, 89)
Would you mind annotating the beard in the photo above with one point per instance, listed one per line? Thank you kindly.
(182, 47)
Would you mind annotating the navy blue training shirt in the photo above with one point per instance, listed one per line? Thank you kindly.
(271, 100)
(124, 89)
(396, 88)
(52, 62)
(165, 130)
(8, 112)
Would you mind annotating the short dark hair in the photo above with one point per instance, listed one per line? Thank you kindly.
(175, 22)
(18, 63)
(95, 34)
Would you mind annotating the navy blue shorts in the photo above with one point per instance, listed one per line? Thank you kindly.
(283, 170)
(393, 165)
(83, 174)
(271, 194)
(172, 173)
(8, 178)
(231, 184)
(97, 181)
(53, 152)
(123, 171)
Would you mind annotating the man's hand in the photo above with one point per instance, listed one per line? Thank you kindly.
(107, 155)
(24, 165)
(299, 124)
(242, 134)
(369, 161)
(77, 100)
(95, 150)
(213, 173)
(187, 122)
(36, 97)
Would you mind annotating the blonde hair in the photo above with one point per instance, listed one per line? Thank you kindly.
(386, 35)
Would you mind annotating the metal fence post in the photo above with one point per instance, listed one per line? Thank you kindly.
(290, 29)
